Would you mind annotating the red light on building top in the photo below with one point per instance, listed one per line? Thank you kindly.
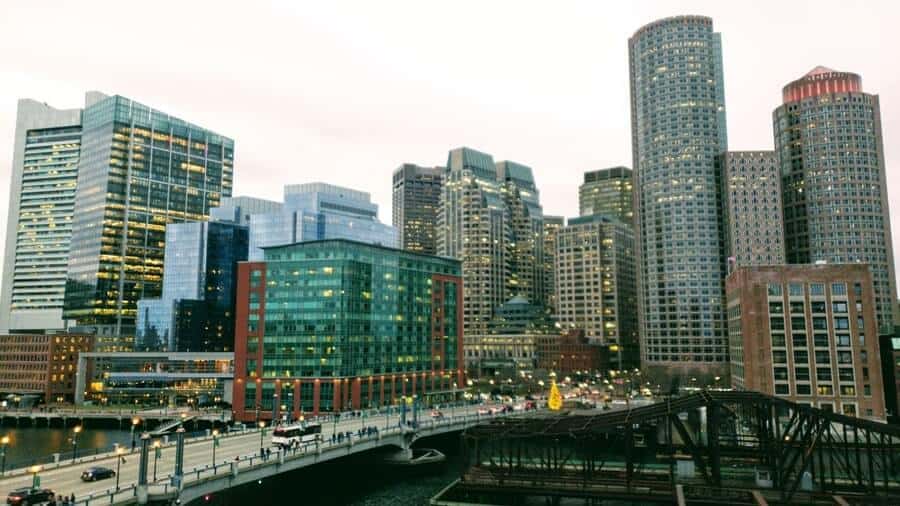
(821, 81)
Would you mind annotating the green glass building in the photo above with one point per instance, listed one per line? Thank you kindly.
(337, 324)
(139, 170)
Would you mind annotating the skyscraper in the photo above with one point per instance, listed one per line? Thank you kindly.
(316, 211)
(416, 199)
(607, 192)
(240, 209)
(196, 309)
(596, 284)
(751, 204)
(829, 145)
(678, 130)
(551, 227)
(139, 170)
(46, 150)
(490, 220)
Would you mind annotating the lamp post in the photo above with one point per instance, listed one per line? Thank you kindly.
(35, 479)
(134, 422)
(215, 436)
(75, 431)
(4, 441)
(119, 458)
(157, 450)
(262, 435)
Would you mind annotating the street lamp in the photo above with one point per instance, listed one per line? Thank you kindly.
(215, 435)
(75, 431)
(119, 458)
(134, 422)
(262, 435)
(157, 450)
(4, 441)
(35, 479)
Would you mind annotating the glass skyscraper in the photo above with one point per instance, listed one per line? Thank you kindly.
(315, 211)
(415, 201)
(196, 309)
(607, 192)
(47, 146)
(336, 324)
(830, 149)
(678, 130)
(139, 170)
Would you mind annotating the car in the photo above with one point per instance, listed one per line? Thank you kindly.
(483, 411)
(97, 473)
(437, 414)
(28, 495)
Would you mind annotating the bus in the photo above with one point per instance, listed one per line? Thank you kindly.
(298, 433)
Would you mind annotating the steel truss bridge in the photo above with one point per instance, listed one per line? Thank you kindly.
(704, 448)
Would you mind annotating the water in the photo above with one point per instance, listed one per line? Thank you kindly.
(30, 445)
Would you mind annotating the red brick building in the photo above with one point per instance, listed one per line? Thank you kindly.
(41, 364)
(568, 352)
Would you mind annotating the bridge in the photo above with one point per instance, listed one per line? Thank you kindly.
(708, 448)
(70, 417)
(212, 464)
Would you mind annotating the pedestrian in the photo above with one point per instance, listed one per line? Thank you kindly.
(72, 498)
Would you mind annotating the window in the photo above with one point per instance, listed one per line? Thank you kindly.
(827, 406)
(841, 323)
(798, 340)
(838, 289)
(848, 390)
(774, 290)
(843, 339)
(801, 357)
(776, 308)
(795, 290)
(804, 389)
(845, 357)
(798, 308)
(823, 357)
(825, 390)
(823, 373)
(820, 340)
(817, 306)
(865, 372)
(782, 389)
(776, 323)
(801, 373)
(845, 374)
(839, 307)
(816, 289)
(779, 357)
(849, 409)
(781, 373)
(778, 340)
(867, 390)
(798, 323)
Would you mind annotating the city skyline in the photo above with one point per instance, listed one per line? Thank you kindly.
(525, 91)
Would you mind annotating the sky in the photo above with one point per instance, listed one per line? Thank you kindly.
(344, 92)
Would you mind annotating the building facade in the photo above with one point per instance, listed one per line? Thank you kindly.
(337, 324)
(139, 170)
(751, 202)
(416, 200)
(829, 144)
(504, 356)
(678, 130)
(46, 149)
(552, 224)
(40, 368)
(596, 284)
(196, 310)
(607, 192)
(807, 333)
(240, 209)
(489, 221)
(890, 373)
(317, 211)
(570, 352)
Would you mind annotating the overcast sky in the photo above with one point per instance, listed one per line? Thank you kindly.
(344, 92)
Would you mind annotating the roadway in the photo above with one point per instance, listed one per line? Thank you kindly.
(197, 454)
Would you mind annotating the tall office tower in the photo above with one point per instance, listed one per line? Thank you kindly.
(829, 144)
(140, 169)
(551, 227)
(240, 209)
(316, 211)
(607, 192)
(196, 309)
(416, 199)
(472, 227)
(39, 225)
(523, 206)
(678, 129)
(596, 284)
(751, 205)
